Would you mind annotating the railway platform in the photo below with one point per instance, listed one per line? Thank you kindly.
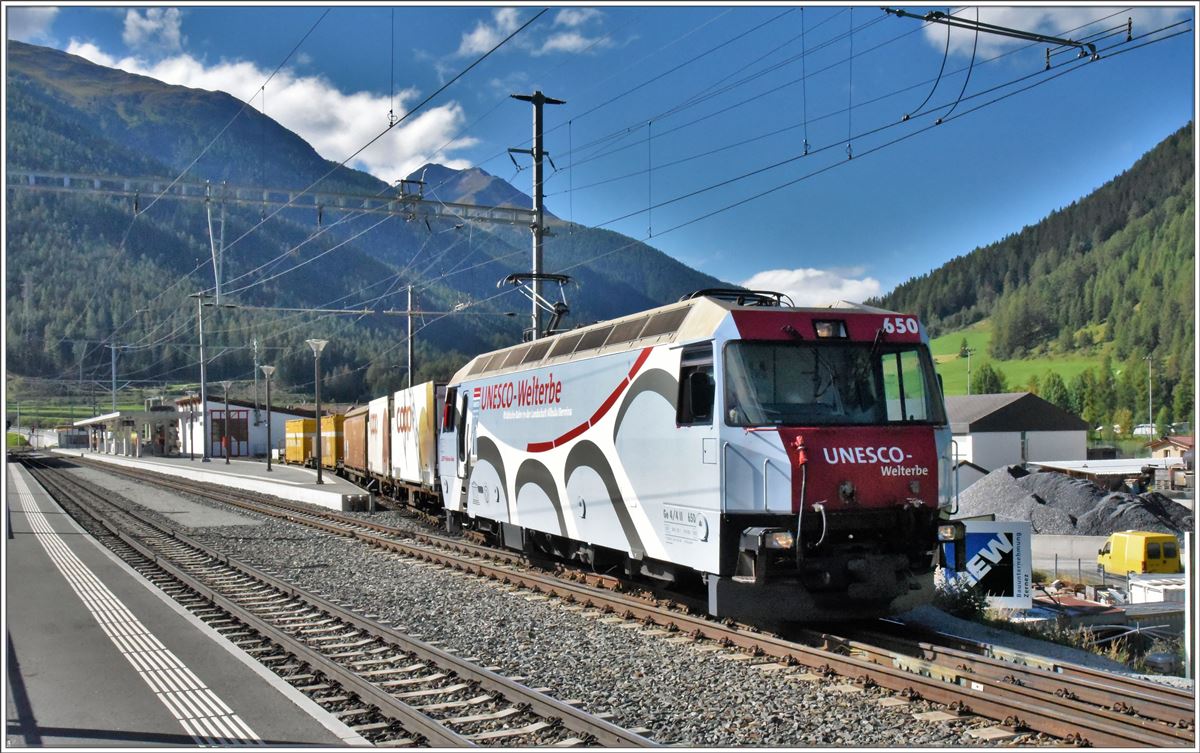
(284, 481)
(97, 657)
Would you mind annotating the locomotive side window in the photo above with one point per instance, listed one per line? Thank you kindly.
(696, 387)
(461, 421)
(448, 417)
(828, 383)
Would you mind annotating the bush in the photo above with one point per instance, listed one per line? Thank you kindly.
(1040, 576)
(958, 596)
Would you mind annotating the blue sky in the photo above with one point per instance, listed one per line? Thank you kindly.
(721, 91)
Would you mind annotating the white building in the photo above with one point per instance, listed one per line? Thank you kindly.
(1013, 427)
(247, 427)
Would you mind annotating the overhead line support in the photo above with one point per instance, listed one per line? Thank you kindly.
(938, 17)
(538, 100)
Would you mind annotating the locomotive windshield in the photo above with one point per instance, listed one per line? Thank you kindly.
(816, 384)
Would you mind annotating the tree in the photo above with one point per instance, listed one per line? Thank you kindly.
(1054, 390)
(1033, 385)
(1123, 418)
(987, 380)
(1162, 422)
(1182, 404)
(963, 348)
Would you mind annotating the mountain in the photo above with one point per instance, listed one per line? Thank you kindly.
(1117, 264)
(470, 186)
(1109, 277)
(93, 268)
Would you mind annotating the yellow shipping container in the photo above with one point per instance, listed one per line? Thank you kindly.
(331, 439)
(299, 434)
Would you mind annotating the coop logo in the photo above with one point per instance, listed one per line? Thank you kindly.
(404, 419)
(863, 455)
(526, 392)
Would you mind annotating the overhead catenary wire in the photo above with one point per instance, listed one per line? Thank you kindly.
(390, 126)
(204, 150)
(960, 115)
(1065, 70)
(941, 70)
(744, 139)
(779, 163)
(967, 80)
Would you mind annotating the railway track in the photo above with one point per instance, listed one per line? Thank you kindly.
(1070, 702)
(389, 687)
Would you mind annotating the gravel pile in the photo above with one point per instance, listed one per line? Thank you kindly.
(1059, 504)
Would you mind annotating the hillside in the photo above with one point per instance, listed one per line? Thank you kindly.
(66, 114)
(1092, 262)
(1080, 298)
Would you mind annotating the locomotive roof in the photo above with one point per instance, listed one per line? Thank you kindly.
(684, 321)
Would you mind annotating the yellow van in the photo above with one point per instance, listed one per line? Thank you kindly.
(1140, 552)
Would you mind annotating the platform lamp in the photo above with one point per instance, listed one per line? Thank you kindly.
(317, 346)
(268, 371)
(225, 422)
(190, 437)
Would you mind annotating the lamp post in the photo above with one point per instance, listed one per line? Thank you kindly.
(1150, 392)
(969, 351)
(317, 346)
(189, 439)
(225, 422)
(268, 371)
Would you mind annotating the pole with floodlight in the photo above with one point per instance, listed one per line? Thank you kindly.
(268, 371)
(317, 346)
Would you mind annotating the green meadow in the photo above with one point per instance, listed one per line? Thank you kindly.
(1017, 373)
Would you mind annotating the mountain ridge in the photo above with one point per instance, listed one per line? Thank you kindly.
(66, 114)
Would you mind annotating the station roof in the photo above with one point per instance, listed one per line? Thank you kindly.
(132, 415)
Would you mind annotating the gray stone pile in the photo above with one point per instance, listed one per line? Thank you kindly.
(1059, 504)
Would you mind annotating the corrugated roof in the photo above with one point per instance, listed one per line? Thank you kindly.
(1008, 411)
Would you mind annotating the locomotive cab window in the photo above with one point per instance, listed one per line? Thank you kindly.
(696, 386)
(828, 383)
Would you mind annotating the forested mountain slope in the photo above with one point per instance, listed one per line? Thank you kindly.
(91, 270)
(1116, 267)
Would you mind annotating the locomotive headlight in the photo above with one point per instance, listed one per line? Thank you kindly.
(948, 532)
(779, 540)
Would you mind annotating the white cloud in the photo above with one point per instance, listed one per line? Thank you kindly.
(575, 16)
(30, 24)
(1053, 21)
(158, 28)
(486, 35)
(816, 287)
(570, 41)
(336, 123)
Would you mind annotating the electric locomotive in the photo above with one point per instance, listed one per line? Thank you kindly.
(792, 462)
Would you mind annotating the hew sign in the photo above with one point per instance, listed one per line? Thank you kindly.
(997, 558)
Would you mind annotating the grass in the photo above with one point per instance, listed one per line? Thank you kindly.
(13, 439)
(1017, 373)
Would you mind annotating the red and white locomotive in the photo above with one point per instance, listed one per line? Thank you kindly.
(792, 461)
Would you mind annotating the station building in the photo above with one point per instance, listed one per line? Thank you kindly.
(246, 427)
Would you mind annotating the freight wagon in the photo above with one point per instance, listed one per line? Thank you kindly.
(792, 463)
(331, 440)
(390, 445)
(299, 435)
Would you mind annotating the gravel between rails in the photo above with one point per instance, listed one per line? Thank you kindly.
(685, 693)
